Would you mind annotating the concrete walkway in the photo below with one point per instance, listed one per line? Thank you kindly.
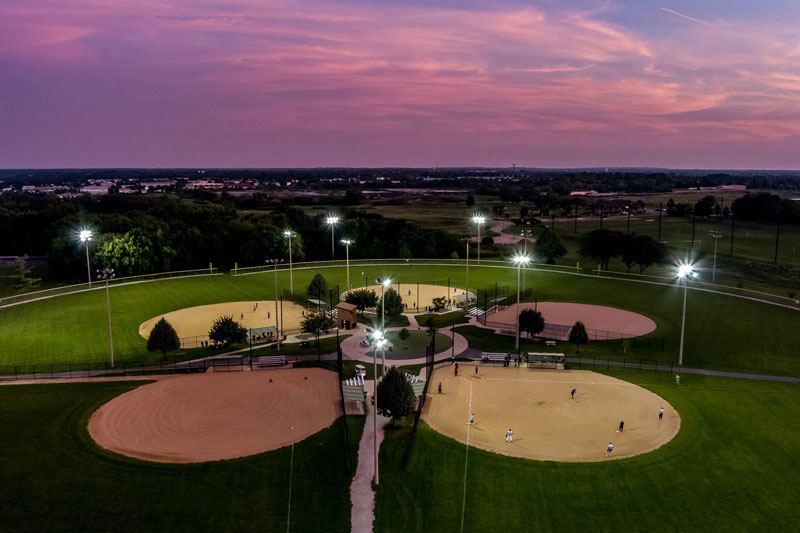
(362, 513)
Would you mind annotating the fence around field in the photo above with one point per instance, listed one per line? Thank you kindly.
(97, 285)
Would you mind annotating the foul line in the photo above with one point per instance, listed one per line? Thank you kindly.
(466, 459)
(291, 470)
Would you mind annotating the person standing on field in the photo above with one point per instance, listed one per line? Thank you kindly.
(621, 425)
(573, 393)
(609, 449)
(509, 435)
(440, 387)
(472, 418)
(677, 379)
(661, 414)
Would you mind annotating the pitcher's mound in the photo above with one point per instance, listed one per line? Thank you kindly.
(208, 417)
(547, 423)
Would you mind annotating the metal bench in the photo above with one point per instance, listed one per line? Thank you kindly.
(272, 360)
(494, 357)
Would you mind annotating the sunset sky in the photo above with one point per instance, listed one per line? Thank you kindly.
(263, 83)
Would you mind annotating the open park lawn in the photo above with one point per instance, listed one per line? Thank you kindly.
(55, 478)
(732, 467)
(414, 345)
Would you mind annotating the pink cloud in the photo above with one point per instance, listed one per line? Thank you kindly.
(340, 75)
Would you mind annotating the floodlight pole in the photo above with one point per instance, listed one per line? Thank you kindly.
(88, 269)
(375, 410)
(288, 233)
(277, 325)
(714, 234)
(383, 330)
(519, 267)
(467, 295)
(683, 319)
(105, 274)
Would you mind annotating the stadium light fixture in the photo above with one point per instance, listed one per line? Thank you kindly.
(383, 283)
(379, 341)
(332, 220)
(85, 236)
(519, 260)
(347, 243)
(716, 235)
(107, 274)
(685, 272)
(289, 234)
(479, 220)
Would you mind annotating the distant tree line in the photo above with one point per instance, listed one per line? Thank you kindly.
(137, 234)
(602, 245)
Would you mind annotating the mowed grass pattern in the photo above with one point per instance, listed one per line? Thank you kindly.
(54, 477)
(722, 332)
(732, 467)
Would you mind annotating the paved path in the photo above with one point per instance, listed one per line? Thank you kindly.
(505, 238)
(362, 513)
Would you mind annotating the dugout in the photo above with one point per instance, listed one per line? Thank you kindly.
(346, 316)
(547, 360)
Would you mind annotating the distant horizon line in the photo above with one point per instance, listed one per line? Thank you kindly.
(396, 167)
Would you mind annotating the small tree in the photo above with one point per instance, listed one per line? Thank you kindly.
(395, 395)
(163, 338)
(531, 322)
(225, 330)
(577, 335)
(439, 303)
(21, 278)
(317, 323)
(393, 304)
(318, 287)
(363, 299)
(454, 255)
(404, 334)
(549, 246)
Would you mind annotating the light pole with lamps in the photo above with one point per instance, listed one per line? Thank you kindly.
(347, 243)
(685, 272)
(107, 274)
(379, 340)
(332, 220)
(85, 236)
(383, 283)
(274, 263)
(519, 260)
(467, 297)
(714, 234)
(289, 234)
(479, 220)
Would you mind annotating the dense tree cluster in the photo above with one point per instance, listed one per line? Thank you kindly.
(767, 207)
(142, 234)
(602, 245)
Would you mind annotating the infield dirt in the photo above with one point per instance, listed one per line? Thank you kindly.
(547, 423)
(213, 416)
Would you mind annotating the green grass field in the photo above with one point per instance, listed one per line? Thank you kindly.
(732, 467)
(55, 478)
(414, 345)
(722, 332)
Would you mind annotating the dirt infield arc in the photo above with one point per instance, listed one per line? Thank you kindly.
(214, 416)
(548, 424)
(419, 302)
(595, 317)
(196, 321)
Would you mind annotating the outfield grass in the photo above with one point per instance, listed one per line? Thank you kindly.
(732, 467)
(722, 332)
(414, 345)
(443, 320)
(55, 478)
